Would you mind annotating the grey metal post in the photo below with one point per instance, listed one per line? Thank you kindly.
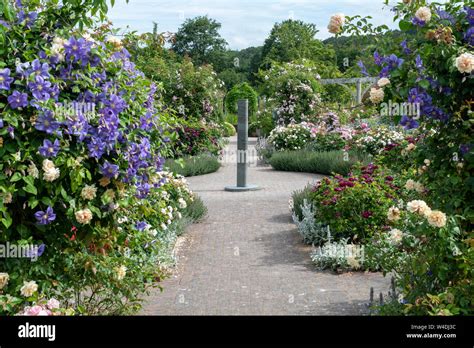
(359, 92)
(242, 149)
(242, 141)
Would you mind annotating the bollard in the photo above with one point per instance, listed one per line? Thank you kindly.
(242, 149)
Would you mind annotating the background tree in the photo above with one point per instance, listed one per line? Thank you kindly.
(199, 38)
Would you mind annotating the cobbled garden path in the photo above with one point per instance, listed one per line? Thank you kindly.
(247, 258)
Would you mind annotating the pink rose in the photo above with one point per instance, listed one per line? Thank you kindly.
(33, 311)
(53, 304)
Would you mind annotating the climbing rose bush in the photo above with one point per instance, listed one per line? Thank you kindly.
(82, 134)
(294, 89)
(432, 67)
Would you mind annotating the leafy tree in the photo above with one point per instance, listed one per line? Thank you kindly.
(293, 40)
(199, 39)
(242, 91)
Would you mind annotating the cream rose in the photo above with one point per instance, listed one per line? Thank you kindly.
(465, 63)
(121, 272)
(423, 14)
(89, 192)
(419, 187)
(84, 216)
(383, 82)
(376, 95)
(336, 22)
(29, 288)
(51, 174)
(410, 185)
(419, 207)
(4, 277)
(395, 236)
(393, 214)
(33, 171)
(437, 219)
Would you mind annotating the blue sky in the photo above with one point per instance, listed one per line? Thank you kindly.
(245, 23)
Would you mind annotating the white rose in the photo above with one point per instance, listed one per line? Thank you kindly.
(395, 236)
(47, 164)
(51, 174)
(33, 171)
(89, 192)
(423, 14)
(419, 207)
(437, 219)
(84, 216)
(376, 95)
(121, 272)
(29, 288)
(4, 277)
(383, 82)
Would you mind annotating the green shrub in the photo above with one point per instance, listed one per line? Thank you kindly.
(196, 210)
(297, 200)
(229, 129)
(315, 162)
(355, 206)
(242, 91)
(193, 166)
(264, 122)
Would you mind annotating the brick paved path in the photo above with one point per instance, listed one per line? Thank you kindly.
(247, 258)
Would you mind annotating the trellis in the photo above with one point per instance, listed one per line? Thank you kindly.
(357, 81)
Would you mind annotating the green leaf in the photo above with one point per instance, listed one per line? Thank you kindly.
(7, 220)
(30, 189)
(405, 25)
(16, 177)
(424, 84)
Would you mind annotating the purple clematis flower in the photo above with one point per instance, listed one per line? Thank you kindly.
(11, 132)
(40, 88)
(96, 148)
(36, 253)
(465, 149)
(394, 62)
(141, 225)
(404, 45)
(5, 24)
(39, 69)
(362, 67)
(418, 22)
(469, 14)
(45, 217)
(109, 170)
(47, 123)
(419, 63)
(5, 79)
(77, 50)
(409, 123)
(116, 104)
(23, 69)
(49, 149)
(18, 100)
(469, 36)
(378, 58)
(1, 123)
(446, 16)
